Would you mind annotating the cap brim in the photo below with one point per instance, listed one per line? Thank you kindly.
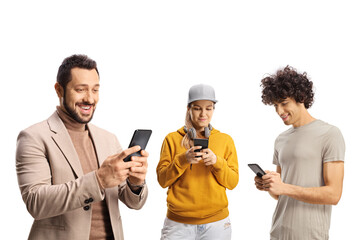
(194, 100)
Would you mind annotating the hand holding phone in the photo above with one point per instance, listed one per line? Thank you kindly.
(257, 169)
(141, 138)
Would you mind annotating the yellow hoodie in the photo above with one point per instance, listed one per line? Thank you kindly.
(197, 195)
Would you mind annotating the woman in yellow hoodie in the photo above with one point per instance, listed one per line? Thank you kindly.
(197, 181)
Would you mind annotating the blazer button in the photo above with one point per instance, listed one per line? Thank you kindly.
(87, 201)
(87, 207)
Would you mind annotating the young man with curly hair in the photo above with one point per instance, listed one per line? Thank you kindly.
(309, 158)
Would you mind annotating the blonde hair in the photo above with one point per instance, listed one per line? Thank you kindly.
(187, 142)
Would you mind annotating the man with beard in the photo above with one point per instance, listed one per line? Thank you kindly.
(70, 172)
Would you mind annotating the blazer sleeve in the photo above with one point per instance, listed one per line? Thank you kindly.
(226, 169)
(128, 197)
(42, 198)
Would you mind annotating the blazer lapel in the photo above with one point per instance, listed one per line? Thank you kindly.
(62, 139)
(101, 150)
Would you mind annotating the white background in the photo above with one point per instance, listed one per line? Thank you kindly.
(149, 53)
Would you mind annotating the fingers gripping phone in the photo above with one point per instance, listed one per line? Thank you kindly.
(141, 138)
(257, 169)
(204, 143)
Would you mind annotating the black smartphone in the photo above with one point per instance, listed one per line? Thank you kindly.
(141, 138)
(204, 143)
(256, 169)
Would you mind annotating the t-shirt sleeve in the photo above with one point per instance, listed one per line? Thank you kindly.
(334, 146)
(276, 155)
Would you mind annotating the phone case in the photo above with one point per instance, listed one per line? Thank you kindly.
(141, 138)
(256, 169)
(201, 142)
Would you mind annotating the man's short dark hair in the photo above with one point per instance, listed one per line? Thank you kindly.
(286, 83)
(76, 60)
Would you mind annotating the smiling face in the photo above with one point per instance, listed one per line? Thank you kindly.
(291, 112)
(81, 95)
(201, 113)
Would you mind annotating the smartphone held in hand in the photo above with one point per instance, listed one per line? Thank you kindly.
(140, 138)
(204, 143)
(257, 169)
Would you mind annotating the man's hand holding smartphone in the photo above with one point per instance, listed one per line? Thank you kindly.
(137, 173)
(114, 171)
(130, 164)
(259, 183)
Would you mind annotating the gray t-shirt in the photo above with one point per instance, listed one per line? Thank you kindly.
(301, 153)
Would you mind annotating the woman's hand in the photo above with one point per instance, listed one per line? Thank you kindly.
(209, 157)
(194, 157)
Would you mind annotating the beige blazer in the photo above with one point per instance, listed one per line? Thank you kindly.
(56, 192)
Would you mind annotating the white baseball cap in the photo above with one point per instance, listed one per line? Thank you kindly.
(201, 92)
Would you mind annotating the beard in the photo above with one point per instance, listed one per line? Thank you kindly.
(74, 115)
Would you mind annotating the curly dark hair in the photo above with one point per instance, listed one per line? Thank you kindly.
(76, 60)
(286, 83)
